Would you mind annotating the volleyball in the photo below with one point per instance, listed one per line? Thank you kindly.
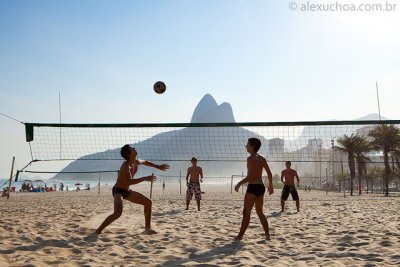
(159, 87)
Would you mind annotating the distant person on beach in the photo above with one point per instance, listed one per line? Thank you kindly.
(163, 188)
(121, 188)
(255, 188)
(193, 185)
(5, 192)
(289, 186)
(24, 187)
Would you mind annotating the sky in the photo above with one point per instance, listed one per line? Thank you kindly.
(271, 63)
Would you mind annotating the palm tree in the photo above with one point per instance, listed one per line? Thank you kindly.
(348, 144)
(362, 146)
(387, 139)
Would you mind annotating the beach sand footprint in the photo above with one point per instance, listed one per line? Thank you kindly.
(131, 224)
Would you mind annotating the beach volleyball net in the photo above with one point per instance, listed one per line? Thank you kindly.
(91, 149)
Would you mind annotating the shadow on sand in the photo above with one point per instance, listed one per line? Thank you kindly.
(205, 257)
(276, 214)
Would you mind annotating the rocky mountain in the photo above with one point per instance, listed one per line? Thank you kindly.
(209, 111)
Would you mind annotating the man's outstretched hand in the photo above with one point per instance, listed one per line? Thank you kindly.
(163, 167)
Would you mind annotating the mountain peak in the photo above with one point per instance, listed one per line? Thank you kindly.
(208, 98)
(209, 111)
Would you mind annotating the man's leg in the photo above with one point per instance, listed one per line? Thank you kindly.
(249, 200)
(198, 204)
(284, 197)
(198, 196)
(260, 213)
(118, 206)
(138, 198)
(189, 196)
(295, 197)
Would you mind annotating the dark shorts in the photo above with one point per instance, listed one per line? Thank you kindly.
(289, 189)
(256, 189)
(123, 192)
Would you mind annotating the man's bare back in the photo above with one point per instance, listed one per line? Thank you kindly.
(255, 165)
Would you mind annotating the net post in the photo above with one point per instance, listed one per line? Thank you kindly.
(98, 192)
(344, 181)
(231, 184)
(333, 160)
(9, 183)
(372, 185)
(180, 182)
(327, 183)
(320, 167)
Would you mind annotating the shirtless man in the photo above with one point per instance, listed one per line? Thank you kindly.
(121, 188)
(289, 186)
(255, 188)
(193, 185)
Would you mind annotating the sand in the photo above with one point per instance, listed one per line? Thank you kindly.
(56, 229)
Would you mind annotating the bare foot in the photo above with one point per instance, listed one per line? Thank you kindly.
(149, 232)
(268, 237)
(97, 232)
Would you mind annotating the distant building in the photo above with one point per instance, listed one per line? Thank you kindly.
(314, 144)
(276, 146)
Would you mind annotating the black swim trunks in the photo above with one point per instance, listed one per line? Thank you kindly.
(289, 189)
(256, 189)
(123, 192)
